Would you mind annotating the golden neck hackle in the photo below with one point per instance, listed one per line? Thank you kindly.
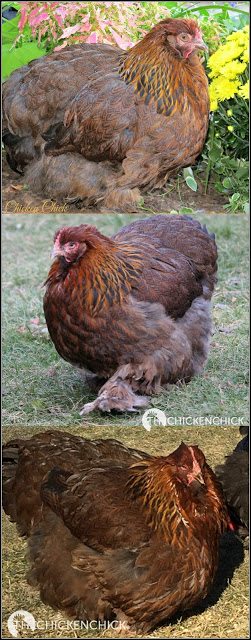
(102, 277)
(172, 511)
(160, 76)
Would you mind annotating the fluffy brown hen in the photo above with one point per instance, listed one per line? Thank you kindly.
(115, 532)
(133, 309)
(116, 121)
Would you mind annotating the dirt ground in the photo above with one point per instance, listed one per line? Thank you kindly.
(176, 196)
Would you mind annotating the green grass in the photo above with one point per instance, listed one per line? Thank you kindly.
(42, 389)
(224, 615)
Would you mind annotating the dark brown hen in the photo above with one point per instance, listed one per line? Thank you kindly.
(234, 477)
(118, 121)
(133, 309)
(115, 533)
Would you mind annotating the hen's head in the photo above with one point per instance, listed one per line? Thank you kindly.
(179, 491)
(71, 243)
(183, 37)
(188, 463)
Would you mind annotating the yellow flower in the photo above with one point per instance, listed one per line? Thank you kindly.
(245, 56)
(240, 37)
(233, 69)
(229, 113)
(226, 53)
(227, 65)
(223, 89)
(230, 128)
(236, 46)
(244, 90)
(213, 104)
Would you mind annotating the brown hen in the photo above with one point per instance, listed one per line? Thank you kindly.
(116, 121)
(133, 309)
(115, 533)
(234, 478)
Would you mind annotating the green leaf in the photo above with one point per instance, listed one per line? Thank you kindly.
(246, 207)
(186, 210)
(215, 153)
(191, 183)
(227, 183)
(187, 172)
(14, 5)
(242, 172)
(14, 58)
(10, 30)
(235, 197)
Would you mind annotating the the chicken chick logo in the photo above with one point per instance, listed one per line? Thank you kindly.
(20, 620)
(153, 418)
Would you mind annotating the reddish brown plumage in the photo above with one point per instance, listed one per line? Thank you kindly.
(97, 107)
(133, 309)
(115, 532)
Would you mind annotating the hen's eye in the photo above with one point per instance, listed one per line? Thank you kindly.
(184, 36)
(71, 245)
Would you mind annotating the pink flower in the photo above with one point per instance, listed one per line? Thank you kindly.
(61, 46)
(23, 18)
(69, 31)
(61, 11)
(92, 38)
(37, 19)
(103, 24)
(85, 27)
(59, 20)
(123, 44)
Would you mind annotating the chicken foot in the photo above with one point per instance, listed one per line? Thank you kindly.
(115, 394)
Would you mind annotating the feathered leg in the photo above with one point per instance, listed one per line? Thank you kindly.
(147, 164)
(182, 355)
(70, 177)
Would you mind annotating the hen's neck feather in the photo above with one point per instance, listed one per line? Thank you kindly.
(103, 276)
(160, 76)
(172, 508)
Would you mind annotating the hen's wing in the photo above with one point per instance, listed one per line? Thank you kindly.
(95, 507)
(36, 96)
(26, 463)
(101, 121)
(179, 261)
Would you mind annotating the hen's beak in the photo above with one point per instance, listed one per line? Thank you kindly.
(200, 44)
(56, 252)
(195, 477)
(199, 478)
